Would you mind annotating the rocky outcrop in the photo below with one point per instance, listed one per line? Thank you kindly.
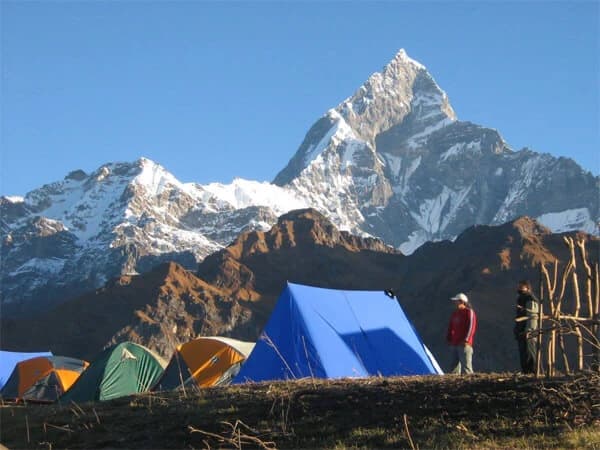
(234, 290)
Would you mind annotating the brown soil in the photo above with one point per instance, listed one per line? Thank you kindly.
(432, 412)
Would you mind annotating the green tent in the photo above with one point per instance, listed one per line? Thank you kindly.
(121, 370)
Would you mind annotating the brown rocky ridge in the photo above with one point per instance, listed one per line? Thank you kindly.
(235, 289)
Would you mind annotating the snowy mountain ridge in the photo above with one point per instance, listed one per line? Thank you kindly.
(123, 218)
(420, 174)
(391, 161)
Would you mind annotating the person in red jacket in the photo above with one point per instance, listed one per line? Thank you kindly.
(461, 331)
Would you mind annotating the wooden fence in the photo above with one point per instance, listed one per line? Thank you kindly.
(565, 315)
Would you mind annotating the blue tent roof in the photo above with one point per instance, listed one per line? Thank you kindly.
(8, 361)
(327, 333)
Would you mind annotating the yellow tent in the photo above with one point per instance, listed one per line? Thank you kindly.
(205, 361)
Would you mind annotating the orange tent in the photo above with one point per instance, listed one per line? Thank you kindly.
(205, 361)
(42, 379)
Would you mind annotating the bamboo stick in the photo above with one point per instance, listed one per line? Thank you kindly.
(549, 364)
(574, 277)
(538, 354)
(577, 305)
(597, 314)
(573, 263)
(597, 299)
(555, 276)
(557, 334)
(588, 280)
(581, 320)
(551, 288)
(563, 351)
(564, 280)
(584, 320)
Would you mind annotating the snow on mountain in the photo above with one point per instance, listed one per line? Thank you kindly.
(419, 173)
(43, 265)
(571, 219)
(391, 161)
(14, 199)
(436, 213)
(456, 150)
(403, 88)
(123, 218)
(244, 193)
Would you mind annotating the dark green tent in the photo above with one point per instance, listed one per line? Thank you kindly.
(121, 370)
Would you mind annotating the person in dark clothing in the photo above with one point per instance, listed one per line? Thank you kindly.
(526, 322)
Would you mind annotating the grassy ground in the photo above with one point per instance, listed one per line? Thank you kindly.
(481, 411)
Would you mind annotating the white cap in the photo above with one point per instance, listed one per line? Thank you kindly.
(462, 297)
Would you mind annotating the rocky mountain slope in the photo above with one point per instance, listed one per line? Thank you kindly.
(170, 304)
(395, 162)
(391, 161)
(74, 235)
(234, 289)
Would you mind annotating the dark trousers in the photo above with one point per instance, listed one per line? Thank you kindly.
(527, 353)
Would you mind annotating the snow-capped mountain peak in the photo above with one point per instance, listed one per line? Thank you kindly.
(14, 199)
(391, 161)
(124, 218)
(403, 58)
(403, 88)
(402, 101)
(417, 168)
(154, 178)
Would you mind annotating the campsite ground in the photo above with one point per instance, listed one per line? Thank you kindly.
(480, 411)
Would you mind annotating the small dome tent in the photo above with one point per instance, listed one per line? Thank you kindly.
(43, 379)
(205, 361)
(120, 370)
(328, 333)
(8, 361)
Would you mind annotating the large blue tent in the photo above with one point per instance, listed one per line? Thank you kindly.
(9, 360)
(327, 333)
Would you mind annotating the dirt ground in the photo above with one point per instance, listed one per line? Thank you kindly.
(479, 411)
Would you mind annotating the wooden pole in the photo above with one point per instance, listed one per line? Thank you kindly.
(550, 344)
(559, 335)
(576, 326)
(550, 286)
(555, 277)
(554, 311)
(588, 279)
(597, 299)
(571, 245)
(551, 305)
(596, 328)
(566, 273)
(563, 351)
(582, 320)
(538, 355)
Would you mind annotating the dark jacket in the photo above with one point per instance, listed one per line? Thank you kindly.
(528, 305)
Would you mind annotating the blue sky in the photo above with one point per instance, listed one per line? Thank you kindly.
(217, 90)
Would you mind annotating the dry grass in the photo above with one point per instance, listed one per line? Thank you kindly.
(481, 411)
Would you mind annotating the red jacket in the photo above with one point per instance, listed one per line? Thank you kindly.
(462, 326)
